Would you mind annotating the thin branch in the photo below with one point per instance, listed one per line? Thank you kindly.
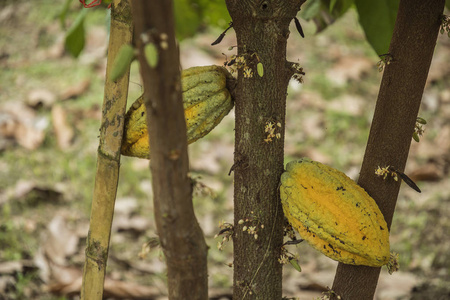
(181, 237)
(398, 103)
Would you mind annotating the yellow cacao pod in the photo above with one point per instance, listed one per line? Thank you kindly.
(206, 102)
(333, 214)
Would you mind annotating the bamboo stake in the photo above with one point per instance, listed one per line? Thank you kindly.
(108, 161)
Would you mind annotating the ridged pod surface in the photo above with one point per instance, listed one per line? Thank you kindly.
(206, 101)
(333, 214)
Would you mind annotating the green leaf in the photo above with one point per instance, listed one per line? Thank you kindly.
(377, 18)
(340, 7)
(260, 69)
(151, 54)
(332, 4)
(192, 15)
(122, 62)
(187, 18)
(416, 137)
(214, 12)
(421, 120)
(75, 36)
(295, 264)
(310, 9)
(325, 12)
(63, 13)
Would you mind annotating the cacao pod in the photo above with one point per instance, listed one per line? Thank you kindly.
(206, 101)
(333, 214)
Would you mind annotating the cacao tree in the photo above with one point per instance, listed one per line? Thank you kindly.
(411, 50)
(258, 162)
(180, 235)
(262, 30)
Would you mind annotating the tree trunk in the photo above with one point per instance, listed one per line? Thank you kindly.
(398, 103)
(180, 235)
(262, 29)
(108, 159)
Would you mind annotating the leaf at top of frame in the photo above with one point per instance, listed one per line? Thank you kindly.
(324, 12)
(75, 36)
(377, 19)
(193, 15)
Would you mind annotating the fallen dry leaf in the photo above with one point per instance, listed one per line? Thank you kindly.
(26, 188)
(63, 131)
(220, 294)
(121, 289)
(61, 241)
(29, 137)
(351, 104)
(94, 112)
(349, 68)
(10, 267)
(21, 124)
(57, 49)
(112, 288)
(428, 172)
(40, 97)
(6, 282)
(137, 224)
(58, 243)
(65, 288)
(80, 114)
(75, 90)
(8, 123)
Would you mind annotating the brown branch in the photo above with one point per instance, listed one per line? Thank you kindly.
(180, 235)
(108, 159)
(262, 29)
(398, 103)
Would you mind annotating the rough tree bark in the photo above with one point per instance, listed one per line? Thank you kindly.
(262, 29)
(398, 103)
(180, 235)
(108, 159)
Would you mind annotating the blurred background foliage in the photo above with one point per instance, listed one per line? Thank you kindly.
(193, 16)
